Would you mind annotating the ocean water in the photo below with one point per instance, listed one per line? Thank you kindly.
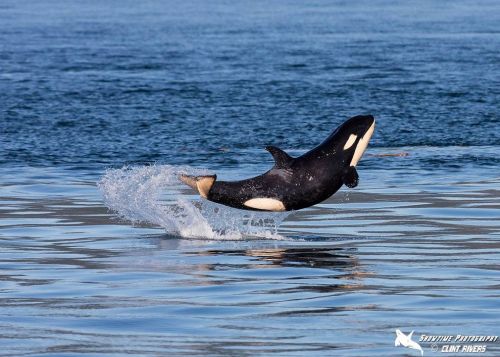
(104, 252)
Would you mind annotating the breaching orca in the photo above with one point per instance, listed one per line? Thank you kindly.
(295, 183)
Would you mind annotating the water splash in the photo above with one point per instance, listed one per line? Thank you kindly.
(153, 194)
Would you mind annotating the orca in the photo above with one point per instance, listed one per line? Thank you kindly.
(295, 183)
(406, 341)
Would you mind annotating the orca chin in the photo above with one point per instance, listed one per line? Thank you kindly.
(295, 183)
(362, 144)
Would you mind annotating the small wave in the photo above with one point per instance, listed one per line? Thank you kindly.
(153, 194)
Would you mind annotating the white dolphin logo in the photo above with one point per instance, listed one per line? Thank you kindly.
(405, 341)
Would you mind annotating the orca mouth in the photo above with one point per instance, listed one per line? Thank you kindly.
(362, 144)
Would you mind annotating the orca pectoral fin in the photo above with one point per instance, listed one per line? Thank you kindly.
(350, 177)
(282, 159)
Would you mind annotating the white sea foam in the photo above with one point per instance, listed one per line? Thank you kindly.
(153, 194)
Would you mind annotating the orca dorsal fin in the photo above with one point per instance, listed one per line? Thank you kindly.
(282, 159)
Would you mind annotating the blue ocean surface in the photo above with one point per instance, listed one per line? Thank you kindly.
(103, 252)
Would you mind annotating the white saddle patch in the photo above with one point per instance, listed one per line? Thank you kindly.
(266, 204)
(350, 141)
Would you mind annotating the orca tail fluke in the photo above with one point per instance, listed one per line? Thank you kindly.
(202, 184)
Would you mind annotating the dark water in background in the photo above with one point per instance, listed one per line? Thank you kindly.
(209, 84)
(108, 82)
